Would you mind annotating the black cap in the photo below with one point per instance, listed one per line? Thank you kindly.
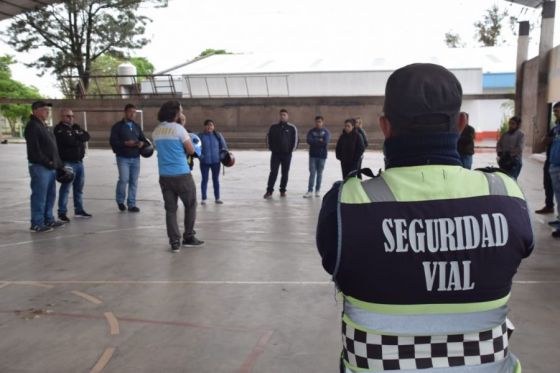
(423, 97)
(39, 104)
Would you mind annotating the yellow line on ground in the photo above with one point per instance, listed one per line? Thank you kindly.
(89, 298)
(4, 284)
(113, 323)
(103, 360)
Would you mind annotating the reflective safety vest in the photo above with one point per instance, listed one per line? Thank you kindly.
(425, 261)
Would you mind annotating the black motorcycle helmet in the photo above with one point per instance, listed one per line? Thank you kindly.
(147, 150)
(65, 175)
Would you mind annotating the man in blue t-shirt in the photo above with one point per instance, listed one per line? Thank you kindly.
(173, 144)
(554, 168)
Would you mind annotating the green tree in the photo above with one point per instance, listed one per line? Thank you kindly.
(453, 40)
(75, 33)
(14, 113)
(489, 29)
(210, 51)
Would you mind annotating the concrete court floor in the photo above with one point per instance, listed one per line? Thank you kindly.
(105, 294)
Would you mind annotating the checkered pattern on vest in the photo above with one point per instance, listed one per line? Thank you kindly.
(386, 352)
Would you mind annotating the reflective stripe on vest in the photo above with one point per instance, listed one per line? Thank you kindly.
(447, 337)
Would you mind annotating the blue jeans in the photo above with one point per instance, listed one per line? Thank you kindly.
(77, 189)
(467, 160)
(316, 166)
(516, 169)
(554, 172)
(129, 169)
(43, 194)
(204, 168)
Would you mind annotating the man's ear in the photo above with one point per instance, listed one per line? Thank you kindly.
(385, 126)
(462, 122)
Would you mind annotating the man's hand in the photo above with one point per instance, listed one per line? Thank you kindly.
(131, 143)
(140, 144)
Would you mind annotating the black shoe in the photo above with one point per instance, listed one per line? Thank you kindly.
(283, 194)
(554, 223)
(556, 233)
(55, 224)
(64, 218)
(175, 247)
(122, 207)
(81, 214)
(545, 210)
(40, 229)
(193, 241)
(267, 195)
(133, 209)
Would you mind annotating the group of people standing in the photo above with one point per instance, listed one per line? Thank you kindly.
(282, 140)
(48, 153)
(62, 150)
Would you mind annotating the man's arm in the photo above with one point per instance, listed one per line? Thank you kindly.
(327, 229)
(66, 136)
(32, 134)
(82, 134)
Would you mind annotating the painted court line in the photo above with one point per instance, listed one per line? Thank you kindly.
(247, 366)
(89, 298)
(103, 360)
(113, 323)
(4, 284)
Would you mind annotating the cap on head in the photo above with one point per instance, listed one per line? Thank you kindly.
(423, 97)
(40, 104)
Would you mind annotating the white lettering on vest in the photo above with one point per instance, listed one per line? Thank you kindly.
(449, 275)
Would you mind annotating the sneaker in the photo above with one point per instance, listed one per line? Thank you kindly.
(282, 194)
(175, 247)
(267, 195)
(64, 218)
(122, 207)
(545, 210)
(219, 202)
(133, 209)
(308, 195)
(55, 224)
(556, 233)
(40, 229)
(81, 214)
(193, 241)
(317, 194)
(203, 202)
(554, 223)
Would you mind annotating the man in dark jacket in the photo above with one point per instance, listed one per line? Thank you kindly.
(42, 154)
(282, 140)
(126, 140)
(465, 145)
(71, 139)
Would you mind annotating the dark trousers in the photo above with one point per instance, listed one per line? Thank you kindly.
(547, 182)
(277, 159)
(349, 167)
(173, 187)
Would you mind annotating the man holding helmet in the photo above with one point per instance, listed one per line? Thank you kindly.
(71, 139)
(173, 144)
(127, 140)
(42, 154)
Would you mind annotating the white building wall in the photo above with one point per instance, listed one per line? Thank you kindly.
(487, 115)
(305, 84)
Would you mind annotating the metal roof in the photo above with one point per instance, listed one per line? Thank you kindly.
(10, 8)
(530, 3)
(492, 59)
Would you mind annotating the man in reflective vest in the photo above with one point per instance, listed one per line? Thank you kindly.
(424, 253)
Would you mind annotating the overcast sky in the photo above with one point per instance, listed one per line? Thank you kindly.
(186, 27)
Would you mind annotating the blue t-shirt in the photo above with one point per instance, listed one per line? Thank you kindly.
(554, 156)
(168, 140)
